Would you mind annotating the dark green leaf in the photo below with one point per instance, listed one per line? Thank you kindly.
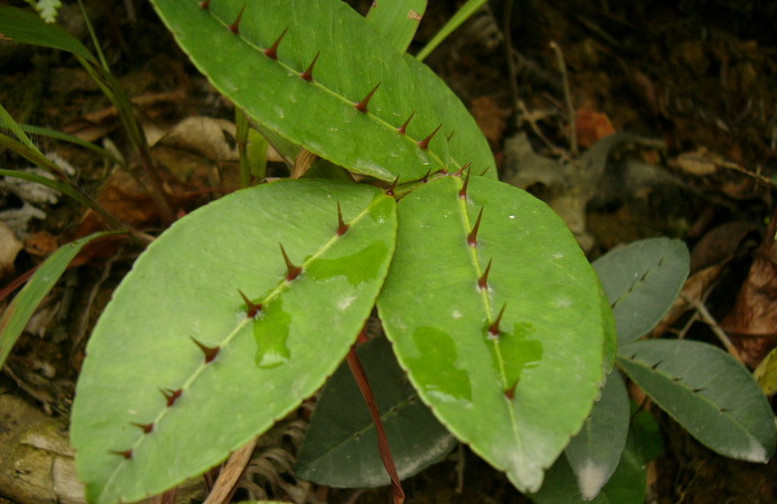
(708, 392)
(594, 453)
(340, 447)
(642, 281)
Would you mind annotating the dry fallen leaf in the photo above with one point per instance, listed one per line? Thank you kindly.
(591, 127)
(753, 320)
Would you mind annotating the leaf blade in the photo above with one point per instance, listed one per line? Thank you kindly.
(187, 287)
(353, 60)
(15, 317)
(707, 391)
(440, 322)
(642, 281)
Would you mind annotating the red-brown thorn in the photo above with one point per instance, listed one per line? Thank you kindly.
(235, 26)
(292, 271)
(493, 329)
(171, 395)
(403, 129)
(463, 190)
(252, 309)
(424, 144)
(147, 428)
(472, 237)
(510, 393)
(342, 226)
(362, 105)
(127, 454)
(205, 4)
(308, 73)
(210, 352)
(425, 178)
(483, 280)
(272, 51)
(448, 138)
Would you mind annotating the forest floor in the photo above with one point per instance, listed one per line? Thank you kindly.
(679, 97)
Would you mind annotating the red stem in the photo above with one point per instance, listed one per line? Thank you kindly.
(383, 446)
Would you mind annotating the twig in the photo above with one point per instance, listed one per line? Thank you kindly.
(228, 477)
(708, 319)
(562, 66)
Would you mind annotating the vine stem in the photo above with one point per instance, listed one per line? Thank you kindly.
(383, 446)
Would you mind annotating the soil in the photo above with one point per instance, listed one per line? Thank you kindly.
(691, 83)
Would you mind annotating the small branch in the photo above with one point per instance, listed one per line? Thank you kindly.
(562, 66)
(226, 483)
(385, 452)
(708, 319)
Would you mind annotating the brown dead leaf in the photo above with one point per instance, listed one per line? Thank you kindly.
(41, 244)
(491, 118)
(591, 127)
(753, 320)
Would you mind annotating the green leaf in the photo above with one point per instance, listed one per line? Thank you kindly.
(14, 319)
(628, 484)
(341, 447)
(27, 28)
(766, 373)
(506, 395)
(464, 13)
(185, 291)
(595, 451)
(397, 20)
(708, 392)
(642, 281)
(320, 115)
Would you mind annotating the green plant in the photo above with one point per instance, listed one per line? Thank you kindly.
(243, 308)
(704, 389)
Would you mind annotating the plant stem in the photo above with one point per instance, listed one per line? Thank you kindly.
(383, 446)
(562, 66)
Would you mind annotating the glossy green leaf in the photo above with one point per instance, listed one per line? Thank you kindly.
(594, 452)
(642, 281)
(397, 20)
(503, 390)
(15, 317)
(26, 27)
(708, 392)
(320, 114)
(341, 447)
(145, 371)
